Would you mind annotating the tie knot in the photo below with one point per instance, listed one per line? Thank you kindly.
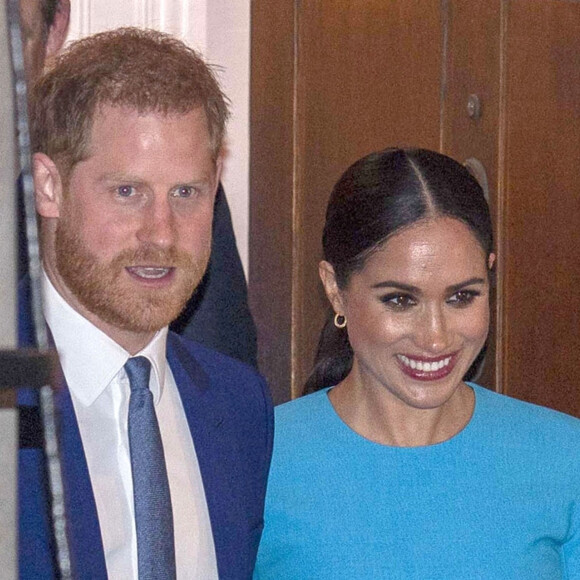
(138, 370)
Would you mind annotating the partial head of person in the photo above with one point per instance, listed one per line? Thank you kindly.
(44, 25)
(408, 247)
(127, 128)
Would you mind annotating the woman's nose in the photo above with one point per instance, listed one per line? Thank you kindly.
(432, 334)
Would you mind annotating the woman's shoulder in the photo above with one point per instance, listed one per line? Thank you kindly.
(523, 417)
(303, 413)
(303, 407)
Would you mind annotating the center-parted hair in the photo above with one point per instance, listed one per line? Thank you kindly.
(375, 198)
(144, 70)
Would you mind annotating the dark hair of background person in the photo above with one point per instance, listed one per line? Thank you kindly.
(376, 197)
(49, 8)
(145, 70)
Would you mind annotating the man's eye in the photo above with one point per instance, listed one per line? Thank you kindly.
(184, 191)
(125, 190)
(463, 298)
(398, 301)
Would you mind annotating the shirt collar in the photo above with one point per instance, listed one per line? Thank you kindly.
(89, 358)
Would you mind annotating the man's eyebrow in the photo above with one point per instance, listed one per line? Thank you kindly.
(120, 177)
(128, 178)
(415, 290)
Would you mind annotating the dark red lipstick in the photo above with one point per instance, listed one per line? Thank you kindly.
(427, 368)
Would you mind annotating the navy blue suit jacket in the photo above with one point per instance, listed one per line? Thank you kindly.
(229, 413)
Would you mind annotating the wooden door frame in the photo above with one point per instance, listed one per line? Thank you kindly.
(272, 188)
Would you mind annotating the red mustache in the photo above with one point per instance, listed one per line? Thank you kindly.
(166, 258)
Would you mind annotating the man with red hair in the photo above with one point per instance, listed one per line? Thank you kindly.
(127, 130)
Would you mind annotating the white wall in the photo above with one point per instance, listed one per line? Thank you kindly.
(220, 29)
(8, 174)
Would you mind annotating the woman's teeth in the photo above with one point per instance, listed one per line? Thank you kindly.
(427, 367)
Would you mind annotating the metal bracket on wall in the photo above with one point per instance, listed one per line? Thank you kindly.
(477, 169)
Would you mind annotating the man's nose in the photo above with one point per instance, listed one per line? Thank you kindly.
(158, 224)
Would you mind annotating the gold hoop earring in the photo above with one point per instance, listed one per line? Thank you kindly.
(339, 320)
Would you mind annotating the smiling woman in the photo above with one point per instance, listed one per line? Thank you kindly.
(417, 316)
(395, 467)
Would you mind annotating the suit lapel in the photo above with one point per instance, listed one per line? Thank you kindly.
(205, 413)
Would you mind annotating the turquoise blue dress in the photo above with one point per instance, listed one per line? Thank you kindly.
(498, 501)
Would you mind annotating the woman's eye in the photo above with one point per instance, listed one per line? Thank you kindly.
(398, 301)
(463, 298)
(125, 190)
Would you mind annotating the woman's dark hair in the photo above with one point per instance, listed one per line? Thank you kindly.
(376, 197)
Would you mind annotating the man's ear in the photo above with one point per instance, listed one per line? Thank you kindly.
(47, 186)
(328, 279)
(59, 29)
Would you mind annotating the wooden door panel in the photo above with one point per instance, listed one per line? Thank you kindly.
(272, 189)
(542, 190)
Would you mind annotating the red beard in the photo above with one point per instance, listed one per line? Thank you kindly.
(105, 289)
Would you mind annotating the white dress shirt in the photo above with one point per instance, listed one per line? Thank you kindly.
(93, 367)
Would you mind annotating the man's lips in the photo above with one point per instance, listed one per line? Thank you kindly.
(150, 272)
(427, 368)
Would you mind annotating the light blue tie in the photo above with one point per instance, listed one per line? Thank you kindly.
(153, 513)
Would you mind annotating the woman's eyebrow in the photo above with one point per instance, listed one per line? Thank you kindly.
(415, 290)
(397, 285)
(470, 282)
